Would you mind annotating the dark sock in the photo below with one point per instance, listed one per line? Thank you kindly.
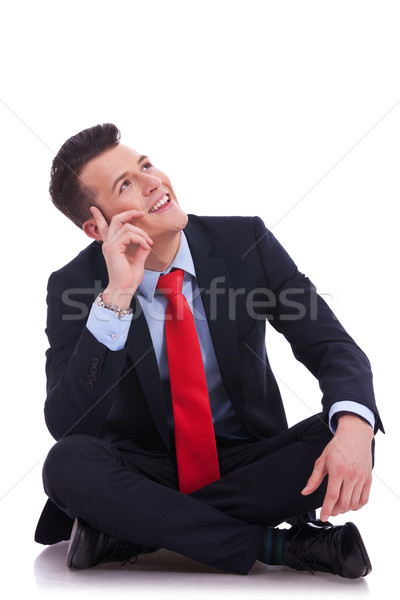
(271, 551)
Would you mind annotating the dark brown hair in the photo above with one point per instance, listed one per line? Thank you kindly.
(67, 192)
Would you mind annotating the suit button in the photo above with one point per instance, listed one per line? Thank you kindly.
(89, 385)
(91, 377)
(93, 369)
(95, 361)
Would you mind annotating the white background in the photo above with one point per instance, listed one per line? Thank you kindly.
(288, 110)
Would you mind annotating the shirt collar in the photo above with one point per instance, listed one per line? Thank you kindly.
(183, 260)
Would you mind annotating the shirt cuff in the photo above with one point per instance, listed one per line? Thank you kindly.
(351, 407)
(107, 328)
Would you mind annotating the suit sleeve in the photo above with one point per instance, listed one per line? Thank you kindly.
(317, 338)
(82, 373)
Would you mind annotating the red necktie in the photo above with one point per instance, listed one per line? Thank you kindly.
(196, 450)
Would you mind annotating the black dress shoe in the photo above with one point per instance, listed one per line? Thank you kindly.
(333, 549)
(89, 547)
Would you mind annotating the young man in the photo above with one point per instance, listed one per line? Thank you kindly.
(170, 426)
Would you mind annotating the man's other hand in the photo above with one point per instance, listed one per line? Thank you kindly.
(347, 460)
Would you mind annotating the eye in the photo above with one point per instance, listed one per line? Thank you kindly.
(146, 166)
(124, 185)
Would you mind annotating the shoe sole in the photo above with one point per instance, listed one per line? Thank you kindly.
(362, 549)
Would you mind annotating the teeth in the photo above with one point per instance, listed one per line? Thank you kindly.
(160, 203)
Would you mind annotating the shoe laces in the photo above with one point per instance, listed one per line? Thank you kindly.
(126, 550)
(305, 558)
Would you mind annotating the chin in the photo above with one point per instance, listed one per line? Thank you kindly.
(185, 220)
(180, 219)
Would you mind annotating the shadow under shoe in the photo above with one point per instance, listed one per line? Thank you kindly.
(89, 547)
(334, 549)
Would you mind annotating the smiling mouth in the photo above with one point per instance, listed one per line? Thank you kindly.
(164, 200)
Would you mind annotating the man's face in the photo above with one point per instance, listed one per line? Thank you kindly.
(123, 179)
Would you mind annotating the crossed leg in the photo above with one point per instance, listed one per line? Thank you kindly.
(133, 496)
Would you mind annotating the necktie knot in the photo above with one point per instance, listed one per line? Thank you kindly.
(171, 284)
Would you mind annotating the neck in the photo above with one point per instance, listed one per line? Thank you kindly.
(163, 252)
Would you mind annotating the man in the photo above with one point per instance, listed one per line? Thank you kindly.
(122, 478)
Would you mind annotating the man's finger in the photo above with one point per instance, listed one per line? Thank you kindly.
(355, 501)
(365, 493)
(315, 479)
(364, 496)
(125, 218)
(331, 497)
(343, 502)
(99, 219)
(128, 215)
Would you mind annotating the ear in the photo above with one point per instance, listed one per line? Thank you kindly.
(91, 229)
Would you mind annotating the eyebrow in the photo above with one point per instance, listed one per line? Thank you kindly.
(126, 173)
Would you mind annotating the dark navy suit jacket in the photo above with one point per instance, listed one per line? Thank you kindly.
(245, 278)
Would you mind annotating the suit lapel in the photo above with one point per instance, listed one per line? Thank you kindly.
(212, 274)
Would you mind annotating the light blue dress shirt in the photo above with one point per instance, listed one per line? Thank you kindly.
(113, 333)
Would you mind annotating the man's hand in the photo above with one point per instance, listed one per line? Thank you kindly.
(347, 460)
(125, 249)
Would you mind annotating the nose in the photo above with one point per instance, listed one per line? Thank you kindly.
(149, 183)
